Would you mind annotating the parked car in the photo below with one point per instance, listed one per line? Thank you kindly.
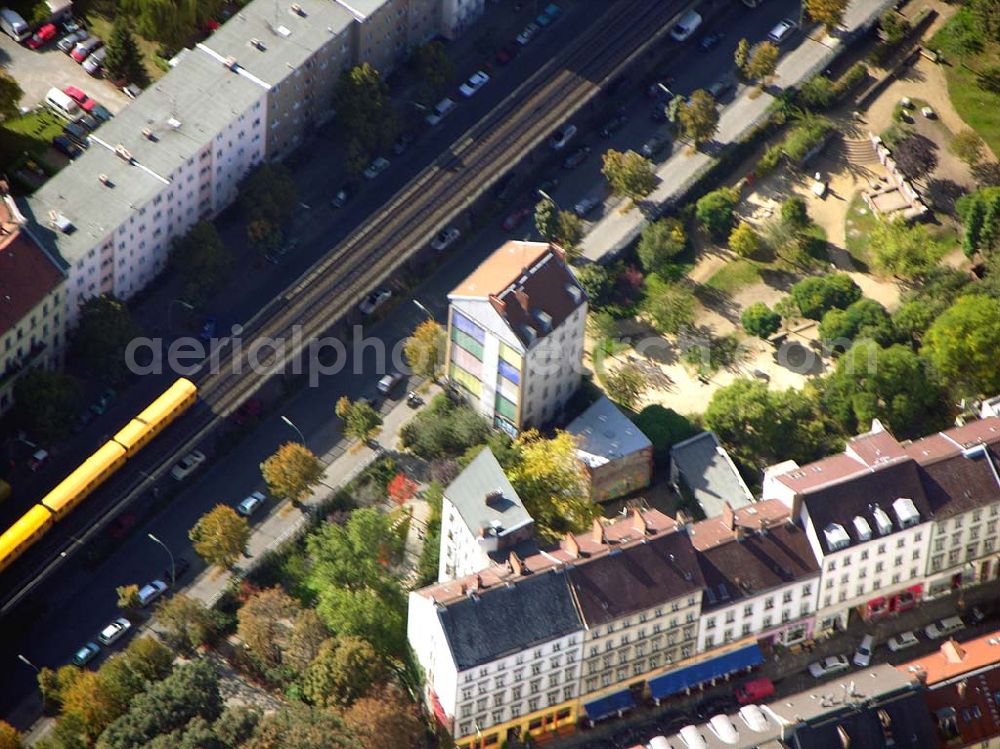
(401, 143)
(38, 459)
(131, 90)
(943, 627)
(68, 42)
(561, 137)
(72, 25)
(527, 34)
(181, 565)
(249, 410)
(90, 122)
(103, 402)
(863, 655)
(902, 641)
(187, 465)
(548, 16)
(476, 81)
(378, 166)
(251, 504)
(718, 89)
(506, 53)
(389, 382)
(711, 41)
(375, 300)
(828, 666)
(445, 238)
(440, 110)
(45, 34)
(615, 124)
(714, 706)
(586, 205)
(151, 591)
(685, 27)
(785, 28)
(77, 132)
(83, 49)
(66, 147)
(655, 145)
(516, 218)
(576, 158)
(86, 654)
(341, 198)
(754, 691)
(94, 64)
(114, 631)
(101, 113)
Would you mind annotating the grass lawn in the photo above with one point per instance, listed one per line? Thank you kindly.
(99, 15)
(30, 134)
(734, 276)
(859, 224)
(978, 107)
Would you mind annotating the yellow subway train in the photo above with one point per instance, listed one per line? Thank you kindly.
(95, 470)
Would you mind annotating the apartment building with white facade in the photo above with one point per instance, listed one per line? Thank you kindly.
(32, 320)
(515, 335)
(482, 520)
(386, 31)
(458, 15)
(500, 657)
(172, 158)
(761, 577)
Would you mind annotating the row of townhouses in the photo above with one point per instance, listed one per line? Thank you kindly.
(532, 641)
(250, 92)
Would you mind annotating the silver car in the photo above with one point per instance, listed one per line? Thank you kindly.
(114, 631)
(86, 654)
(69, 41)
(95, 63)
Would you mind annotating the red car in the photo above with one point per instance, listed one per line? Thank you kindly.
(85, 102)
(43, 36)
(515, 219)
(506, 53)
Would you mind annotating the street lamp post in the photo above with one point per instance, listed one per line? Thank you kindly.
(298, 431)
(26, 662)
(173, 576)
(170, 311)
(423, 309)
(548, 197)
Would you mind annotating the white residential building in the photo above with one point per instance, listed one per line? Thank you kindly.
(459, 15)
(515, 335)
(482, 520)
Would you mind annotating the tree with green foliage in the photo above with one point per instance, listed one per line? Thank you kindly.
(364, 108)
(603, 326)
(149, 658)
(128, 596)
(916, 156)
(424, 349)
(235, 726)
(123, 61)
(220, 536)
(762, 62)
(345, 669)
(715, 212)
(815, 295)
(742, 54)
(967, 146)
(185, 622)
(972, 210)
(986, 14)
(299, 726)
(430, 553)
(435, 70)
(546, 218)
(744, 240)
(906, 251)
(795, 214)
(568, 232)
(660, 242)
(630, 175)
(443, 429)
(699, 117)
(264, 624)
(892, 384)
(625, 385)
(173, 22)
(551, 483)
(670, 306)
(760, 320)
(307, 636)
(104, 331)
(361, 421)
(830, 13)
(202, 260)
(88, 701)
(45, 403)
(665, 428)
(293, 471)
(10, 95)
(10, 738)
(268, 193)
(596, 281)
(385, 717)
(864, 318)
(963, 343)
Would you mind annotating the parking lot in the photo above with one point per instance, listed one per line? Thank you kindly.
(39, 70)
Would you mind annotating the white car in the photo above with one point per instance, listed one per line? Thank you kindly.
(902, 641)
(828, 666)
(440, 110)
(685, 27)
(785, 28)
(376, 167)
(445, 238)
(114, 631)
(152, 591)
(86, 654)
(943, 627)
(475, 82)
(528, 34)
(374, 300)
(187, 465)
(249, 506)
(863, 655)
(561, 137)
(388, 382)
(586, 205)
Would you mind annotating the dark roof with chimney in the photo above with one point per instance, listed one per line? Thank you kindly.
(509, 619)
(529, 286)
(761, 561)
(636, 578)
(962, 482)
(859, 496)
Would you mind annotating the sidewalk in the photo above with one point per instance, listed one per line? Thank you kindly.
(616, 231)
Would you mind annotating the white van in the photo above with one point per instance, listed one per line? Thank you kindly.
(13, 25)
(685, 27)
(441, 110)
(63, 105)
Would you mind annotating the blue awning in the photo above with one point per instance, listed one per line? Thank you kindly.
(609, 704)
(699, 673)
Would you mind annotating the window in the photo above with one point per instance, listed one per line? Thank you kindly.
(748, 610)
(864, 555)
(769, 603)
(786, 597)
(939, 543)
(900, 543)
(710, 623)
(709, 641)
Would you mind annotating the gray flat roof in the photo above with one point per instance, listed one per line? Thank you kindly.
(469, 490)
(710, 474)
(361, 9)
(287, 38)
(603, 433)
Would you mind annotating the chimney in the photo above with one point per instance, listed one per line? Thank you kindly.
(558, 251)
(522, 298)
(479, 583)
(515, 564)
(728, 516)
(493, 497)
(639, 522)
(597, 532)
(953, 652)
(570, 546)
(961, 687)
(681, 518)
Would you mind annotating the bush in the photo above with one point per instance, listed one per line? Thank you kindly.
(444, 429)
(744, 240)
(665, 428)
(714, 212)
(760, 320)
(660, 243)
(804, 137)
(819, 92)
(769, 160)
(817, 294)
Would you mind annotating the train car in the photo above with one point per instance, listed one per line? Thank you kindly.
(174, 401)
(94, 471)
(29, 528)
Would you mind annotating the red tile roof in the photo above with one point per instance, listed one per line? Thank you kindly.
(27, 274)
